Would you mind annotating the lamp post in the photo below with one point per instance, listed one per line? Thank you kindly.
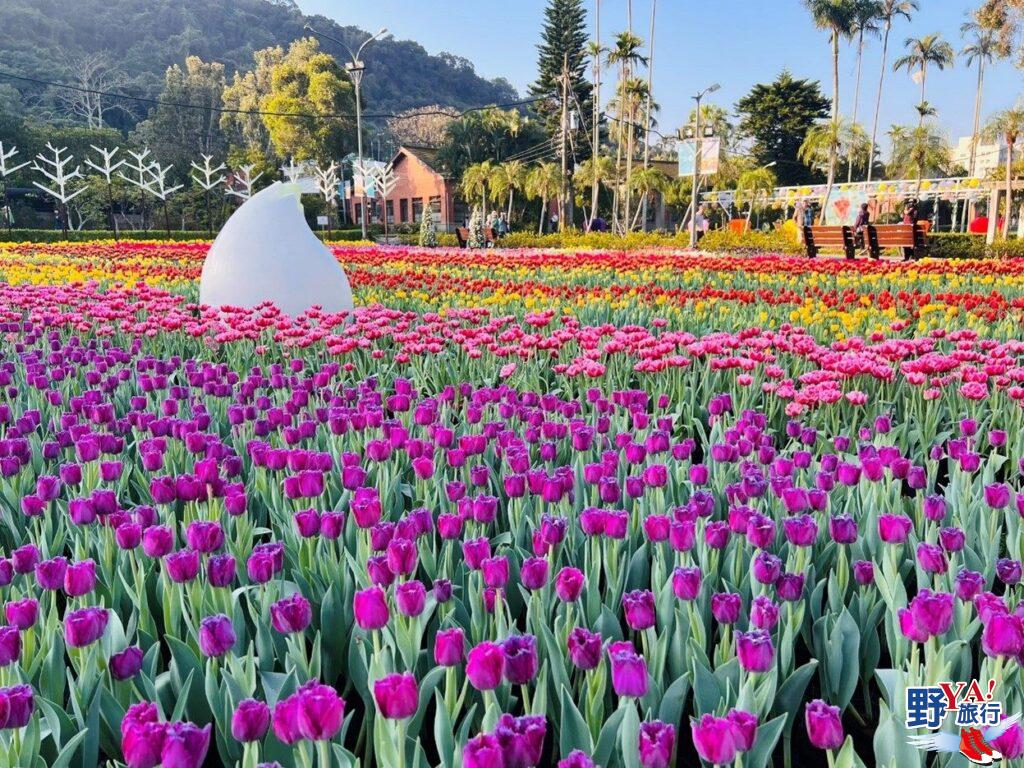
(696, 162)
(355, 69)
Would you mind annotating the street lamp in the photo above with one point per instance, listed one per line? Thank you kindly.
(696, 162)
(355, 69)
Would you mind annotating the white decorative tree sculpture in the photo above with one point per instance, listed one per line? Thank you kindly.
(327, 184)
(243, 181)
(156, 185)
(385, 179)
(55, 171)
(106, 168)
(140, 174)
(5, 171)
(211, 179)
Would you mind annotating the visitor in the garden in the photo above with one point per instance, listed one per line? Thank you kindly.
(909, 217)
(860, 227)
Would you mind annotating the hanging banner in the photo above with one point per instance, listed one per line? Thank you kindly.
(711, 150)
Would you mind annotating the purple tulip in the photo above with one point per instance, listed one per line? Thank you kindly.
(864, 572)
(22, 613)
(216, 635)
(449, 647)
(520, 659)
(569, 584)
(657, 740)
(397, 696)
(1003, 635)
(932, 612)
(250, 721)
(629, 670)
(485, 665)
(371, 608)
(931, 558)
(10, 645)
(894, 529)
(584, 648)
(85, 626)
(744, 729)
(640, 609)
(182, 566)
(755, 650)
(80, 578)
(126, 664)
(714, 740)
(410, 598)
(576, 759)
(320, 711)
(142, 736)
(482, 751)
(725, 607)
(824, 726)
(291, 615)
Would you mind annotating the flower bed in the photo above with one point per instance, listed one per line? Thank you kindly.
(518, 509)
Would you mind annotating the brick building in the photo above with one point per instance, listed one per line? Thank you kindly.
(420, 185)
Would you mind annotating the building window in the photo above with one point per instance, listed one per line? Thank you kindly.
(435, 209)
(417, 208)
(391, 211)
(403, 210)
(359, 212)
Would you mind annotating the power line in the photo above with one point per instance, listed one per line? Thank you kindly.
(233, 110)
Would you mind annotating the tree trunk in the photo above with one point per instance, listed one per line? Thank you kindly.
(835, 123)
(924, 76)
(856, 98)
(597, 116)
(878, 100)
(1010, 141)
(977, 117)
(543, 213)
(511, 192)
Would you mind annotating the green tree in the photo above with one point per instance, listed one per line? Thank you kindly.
(867, 19)
(475, 181)
(1005, 18)
(922, 52)
(309, 82)
(983, 48)
(488, 134)
(828, 142)
(1008, 124)
(626, 56)
(890, 10)
(644, 183)
(506, 179)
(918, 151)
(837, 17)
(177, 136)
(544, 181)
(244, 128)
(428, 230)
(776, 117)
(594, 172)
(754, 186)
(563, 41)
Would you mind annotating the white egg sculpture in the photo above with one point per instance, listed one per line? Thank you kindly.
(267, 252)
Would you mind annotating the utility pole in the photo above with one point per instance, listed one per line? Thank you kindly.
(596, 143)
(647, 118)
(564, 203)
(697, 141)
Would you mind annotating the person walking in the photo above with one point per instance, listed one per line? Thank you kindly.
(860, 227)
(910, 217)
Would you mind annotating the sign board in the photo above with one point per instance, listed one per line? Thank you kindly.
(710, 151)
(321, 221)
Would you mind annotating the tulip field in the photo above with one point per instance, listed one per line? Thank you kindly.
(518, 509)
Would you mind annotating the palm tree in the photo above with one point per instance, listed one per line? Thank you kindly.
(918, 150)
(543, 181)
(625, 54)
(828, 141)
(645, 183)
(475, 180)
(507, 179)
(891, 9)
(922, 52)
(1009, 124)
(983, 49)
(867, 15)
(595, 51)
(752, 186)
(593, 172)
(837, 18)
(647, 111)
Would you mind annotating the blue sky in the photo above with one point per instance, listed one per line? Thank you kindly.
(734, 43)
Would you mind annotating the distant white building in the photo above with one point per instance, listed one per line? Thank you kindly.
(988, 156)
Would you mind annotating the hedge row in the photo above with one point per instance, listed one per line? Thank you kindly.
(86, 235)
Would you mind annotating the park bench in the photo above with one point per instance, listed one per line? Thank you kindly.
(906, 236)
(819, 238)
(462, 236)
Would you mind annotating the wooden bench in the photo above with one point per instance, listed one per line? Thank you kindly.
(462, 236)
(819, 238)
(913, 238)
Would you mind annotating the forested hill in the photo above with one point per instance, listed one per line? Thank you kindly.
(49, 39)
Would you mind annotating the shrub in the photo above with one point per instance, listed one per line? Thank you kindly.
(89, 235)
(428, 232)
(956, 245)
(1008, 249)
(749, 242)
